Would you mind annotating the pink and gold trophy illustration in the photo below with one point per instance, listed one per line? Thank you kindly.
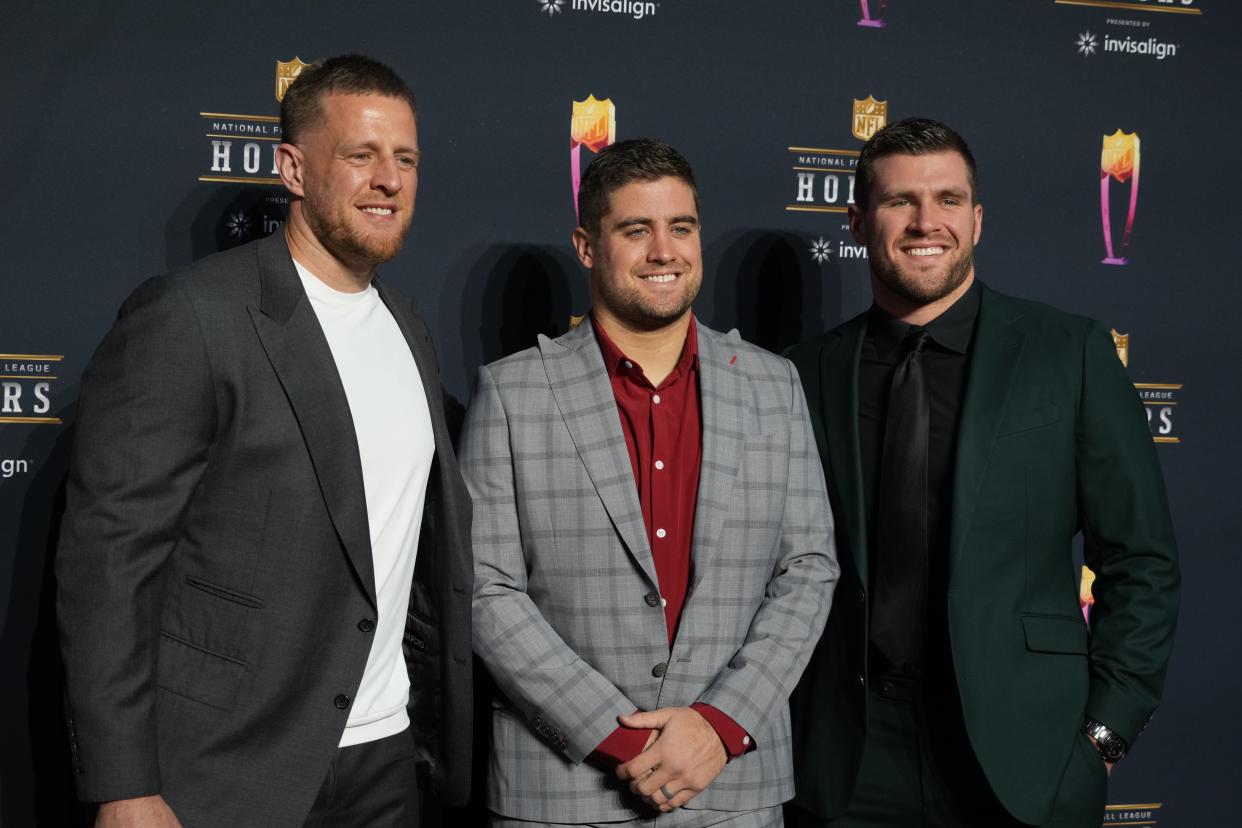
(1119, 159)
(867, 20)
(594, 126)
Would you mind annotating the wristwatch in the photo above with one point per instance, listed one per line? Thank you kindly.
(1112, 747)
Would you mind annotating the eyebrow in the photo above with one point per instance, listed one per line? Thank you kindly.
(945, 191)
(630, 221)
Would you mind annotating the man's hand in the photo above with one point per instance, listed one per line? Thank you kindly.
(1108, 766)
(685, 758)
(142, 812)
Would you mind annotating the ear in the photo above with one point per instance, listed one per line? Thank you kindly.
(291, 163)
(858, 224)
(978, 222)
(582, 244)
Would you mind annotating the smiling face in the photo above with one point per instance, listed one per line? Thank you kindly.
(356, 173)
(646, 261)
(920, 227)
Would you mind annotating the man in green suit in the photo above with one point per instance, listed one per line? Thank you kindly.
(967, 437)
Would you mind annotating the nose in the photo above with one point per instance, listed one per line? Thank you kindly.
(386, 177)
(923, 220)
(661, 249)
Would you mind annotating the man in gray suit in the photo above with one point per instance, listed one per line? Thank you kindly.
(652, 533)
(264, 565)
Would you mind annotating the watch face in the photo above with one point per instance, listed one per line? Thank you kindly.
(1112, 749)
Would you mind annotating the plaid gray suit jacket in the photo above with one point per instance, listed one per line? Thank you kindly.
(563, 567)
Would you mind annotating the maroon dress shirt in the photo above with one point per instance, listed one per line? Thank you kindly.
(663, 430)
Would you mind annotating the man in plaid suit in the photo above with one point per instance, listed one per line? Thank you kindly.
(652, 533)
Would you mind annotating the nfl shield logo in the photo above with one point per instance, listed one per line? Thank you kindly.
(594, 124)
(1119, 154)
(286, 72)
(870, 116)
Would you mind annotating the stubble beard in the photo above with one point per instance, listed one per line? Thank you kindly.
(918, 291)
(344, 241)
(630, 307)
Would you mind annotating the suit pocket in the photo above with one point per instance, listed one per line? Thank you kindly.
(198, 673)
(1029, 420)
(1055, 634)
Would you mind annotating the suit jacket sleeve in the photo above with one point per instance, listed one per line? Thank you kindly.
(569, 703)
(1128, 543)
(145, 421)
(756, 684)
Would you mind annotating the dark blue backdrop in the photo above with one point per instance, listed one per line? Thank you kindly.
(104, 143)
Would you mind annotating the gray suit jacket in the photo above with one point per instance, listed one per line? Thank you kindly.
(215, 559)
(563, 570)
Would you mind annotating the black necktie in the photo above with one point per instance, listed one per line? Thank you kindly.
(899, 604)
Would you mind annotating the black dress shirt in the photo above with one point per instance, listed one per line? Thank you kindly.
(946, 359)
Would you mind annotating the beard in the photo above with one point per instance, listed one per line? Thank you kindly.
(639, 312)
(349, 243)
(919, 290)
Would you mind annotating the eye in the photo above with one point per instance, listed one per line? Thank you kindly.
(682, 229)
(359, 157)
(407, 161)
(635, 232)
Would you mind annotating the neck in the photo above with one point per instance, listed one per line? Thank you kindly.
(656, 351)
(311, 253)
(911, 312)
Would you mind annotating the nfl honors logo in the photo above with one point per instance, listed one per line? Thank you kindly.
(287, 72)
(870, 116)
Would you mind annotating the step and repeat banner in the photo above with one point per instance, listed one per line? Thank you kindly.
(140, 136)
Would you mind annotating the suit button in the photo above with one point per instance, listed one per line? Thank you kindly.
(862, 596)
(659, 670)
(862, 680)
(341, 701)
(652, 599)
(366, 625)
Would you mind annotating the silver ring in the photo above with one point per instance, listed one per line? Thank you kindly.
(667, 796)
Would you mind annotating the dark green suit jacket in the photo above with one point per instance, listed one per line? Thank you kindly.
(1053, 441)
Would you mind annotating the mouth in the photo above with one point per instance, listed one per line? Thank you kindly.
(663, 278)
(925, 251)
(377, 210)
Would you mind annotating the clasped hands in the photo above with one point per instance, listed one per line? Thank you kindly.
(683, 756)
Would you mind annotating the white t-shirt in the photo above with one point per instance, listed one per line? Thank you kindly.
(393, 425)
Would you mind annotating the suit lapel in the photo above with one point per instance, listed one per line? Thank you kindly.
(724, 400)
(583, 393)
(838, 389)
(995, 352)
(298, 351)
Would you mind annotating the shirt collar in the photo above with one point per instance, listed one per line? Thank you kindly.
(618, 363)
(951, 330)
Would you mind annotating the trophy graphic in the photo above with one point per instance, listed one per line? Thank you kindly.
(594, 126)
(1119, 159)
(873, 22)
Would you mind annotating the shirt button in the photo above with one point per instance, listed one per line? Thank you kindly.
(652, 599)
(746, 740)
(664, 602)
(341, 701)
(629, 364)
(655, 398)
(660, 533)
(659, 670)
(659, 464)
(366, 625)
